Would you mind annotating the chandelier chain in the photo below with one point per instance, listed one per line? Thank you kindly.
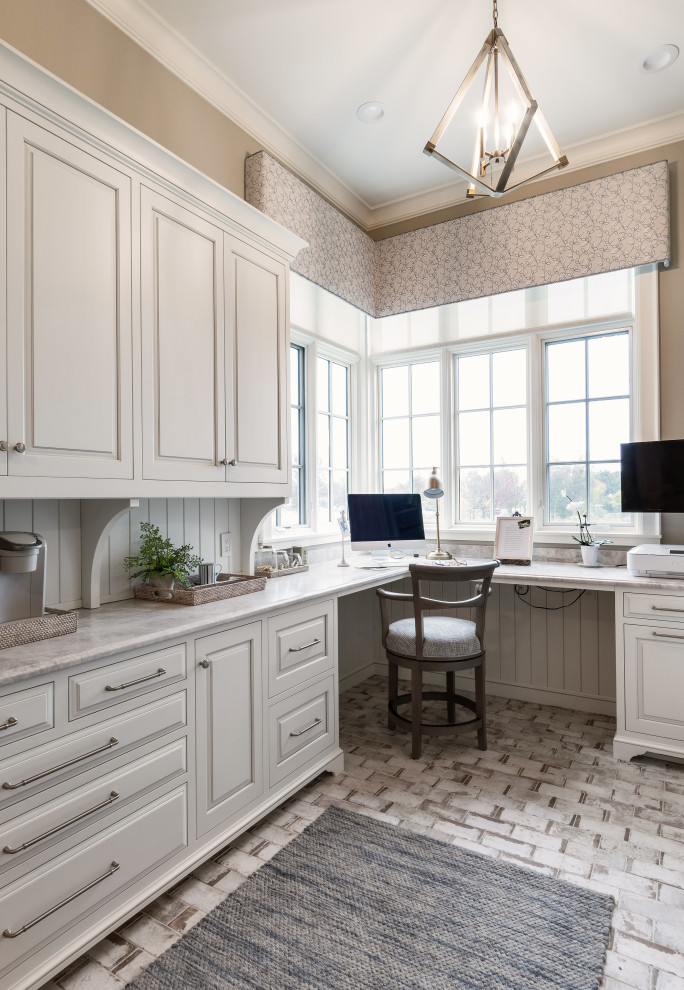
(495, 13)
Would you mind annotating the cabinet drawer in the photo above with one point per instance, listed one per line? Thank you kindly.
(31, 833)
(639, 606)
(64, 758)
(300, 646)
(117, 682)
(24, 713)
(301, 728)
(86, 879)
(654, 681)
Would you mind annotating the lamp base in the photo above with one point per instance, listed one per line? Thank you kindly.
(438, 555)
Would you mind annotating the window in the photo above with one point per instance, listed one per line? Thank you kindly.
(587, 418)
(546, 385)
(293, 513)
(491, 402)
(332, 439)
(410, 425)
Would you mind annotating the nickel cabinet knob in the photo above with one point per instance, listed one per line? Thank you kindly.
(20, 447)
(4, 445)
(205, 663)
(227, 463)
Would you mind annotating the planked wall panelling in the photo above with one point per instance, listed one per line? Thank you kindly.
(199, 522)
(551, 653)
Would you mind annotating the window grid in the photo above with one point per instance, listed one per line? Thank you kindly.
(332, 497)
(519, 499)
(293, 513)
(581, 492)
(417, 473)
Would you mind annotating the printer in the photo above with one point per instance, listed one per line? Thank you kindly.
(656, 560)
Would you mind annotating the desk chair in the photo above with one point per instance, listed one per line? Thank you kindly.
(441, 643)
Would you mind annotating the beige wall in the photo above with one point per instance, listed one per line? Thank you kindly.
(79, 45)
(75, 42)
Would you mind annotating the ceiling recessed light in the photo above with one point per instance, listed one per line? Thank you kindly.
(660, 59)
(371, 113)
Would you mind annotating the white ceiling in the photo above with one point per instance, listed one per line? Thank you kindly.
(293, 73)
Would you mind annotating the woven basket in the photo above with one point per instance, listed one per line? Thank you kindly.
(227, 586)
(22, 631)
(282, 571)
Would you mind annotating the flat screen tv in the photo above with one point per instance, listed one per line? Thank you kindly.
(386, 522)
(652, 476)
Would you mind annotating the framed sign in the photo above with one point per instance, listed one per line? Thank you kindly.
(513, 539)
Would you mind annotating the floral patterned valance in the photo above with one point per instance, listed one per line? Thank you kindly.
(620, 221)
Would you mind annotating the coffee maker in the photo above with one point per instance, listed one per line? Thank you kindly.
(22, 575)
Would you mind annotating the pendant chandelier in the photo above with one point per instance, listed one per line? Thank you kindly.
(506, 132)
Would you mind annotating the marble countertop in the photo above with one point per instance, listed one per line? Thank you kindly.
(134, 625)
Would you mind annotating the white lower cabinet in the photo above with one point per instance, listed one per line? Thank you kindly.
(85, 880)
(651, 677)
(121, 775)
(229, 724)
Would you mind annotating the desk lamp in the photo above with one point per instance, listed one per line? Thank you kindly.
(435, 490)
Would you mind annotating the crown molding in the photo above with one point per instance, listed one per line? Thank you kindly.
(169, 48)
(617, 144)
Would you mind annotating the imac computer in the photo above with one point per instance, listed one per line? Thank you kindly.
(383, 523)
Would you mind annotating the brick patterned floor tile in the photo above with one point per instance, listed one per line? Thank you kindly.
(547, 795)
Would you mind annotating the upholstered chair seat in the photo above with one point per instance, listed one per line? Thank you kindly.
(443, 636)
(428, 642)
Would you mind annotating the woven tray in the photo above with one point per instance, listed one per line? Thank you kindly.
(22, 631)
(283, 571)
(227, 586)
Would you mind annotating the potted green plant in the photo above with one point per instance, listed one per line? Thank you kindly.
(159, 562)
(589, 545)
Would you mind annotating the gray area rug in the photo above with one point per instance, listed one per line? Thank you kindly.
(352, 904)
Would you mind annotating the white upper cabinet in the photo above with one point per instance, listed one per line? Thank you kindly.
(145, 316)
(70, 376)
(183, 350)
(3, 309)
(256, 321)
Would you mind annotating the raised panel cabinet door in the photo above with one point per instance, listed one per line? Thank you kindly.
(4, 445)
(654, 681)
(256, 356)
(229, 724)
(183, 387)
(69, 353)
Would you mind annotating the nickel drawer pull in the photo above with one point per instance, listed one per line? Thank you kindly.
(58, 828)
(667, 635)
(149, 677)
(659, 608)
(9, 723)
(8, 933)
(77, 759)
(316, 721)
(298, 649)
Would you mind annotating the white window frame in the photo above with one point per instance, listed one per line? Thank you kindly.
(313, 530)
(398, 361)
(644, 408)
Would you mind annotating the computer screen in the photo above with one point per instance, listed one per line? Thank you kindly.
(652, 476)
(386, 522)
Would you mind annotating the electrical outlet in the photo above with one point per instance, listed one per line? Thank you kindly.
(226, 544)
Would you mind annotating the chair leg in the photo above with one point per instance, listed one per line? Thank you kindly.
(450, 689)
(393, 692)
(481, 705)
(416, 711)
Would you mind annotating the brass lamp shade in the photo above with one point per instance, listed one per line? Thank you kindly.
(435, 490)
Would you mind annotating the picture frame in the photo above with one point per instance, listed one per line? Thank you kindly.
(513, 539)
